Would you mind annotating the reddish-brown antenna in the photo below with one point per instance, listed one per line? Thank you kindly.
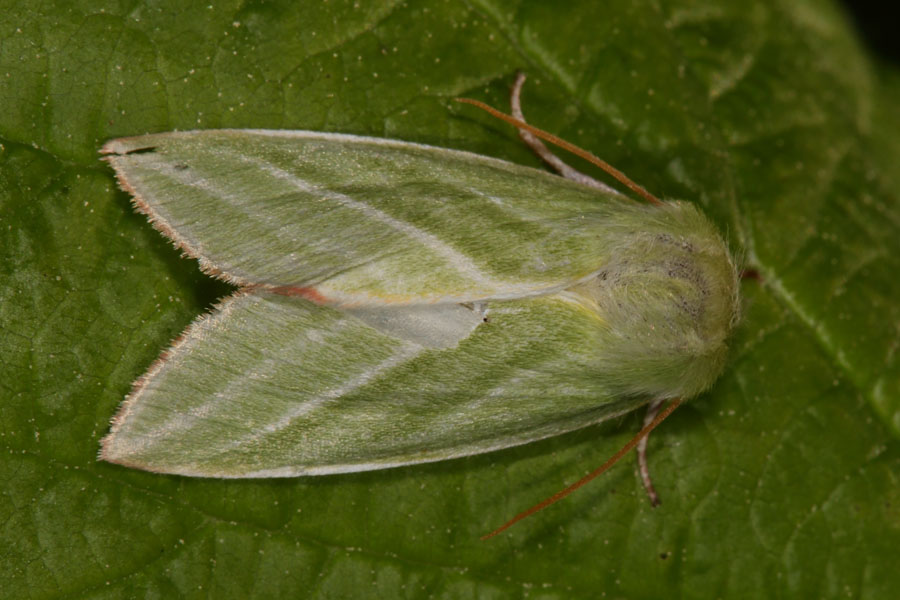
(594, 474)
(549, 137)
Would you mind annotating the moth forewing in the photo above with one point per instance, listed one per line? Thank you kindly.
(329, 392)
(422, 224)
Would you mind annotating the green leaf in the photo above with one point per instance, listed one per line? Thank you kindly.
(781, 482)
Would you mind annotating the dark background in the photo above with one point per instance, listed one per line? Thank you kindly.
(879, 26)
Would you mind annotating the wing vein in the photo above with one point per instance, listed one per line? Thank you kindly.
(404, 353)
(459, 261)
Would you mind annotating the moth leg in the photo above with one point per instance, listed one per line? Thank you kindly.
(643, 467)
(544, 153)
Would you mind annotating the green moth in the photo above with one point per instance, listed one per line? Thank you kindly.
(401, 303)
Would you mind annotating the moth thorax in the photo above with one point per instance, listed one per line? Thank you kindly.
(667, 305)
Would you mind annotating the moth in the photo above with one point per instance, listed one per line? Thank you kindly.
(400, 303)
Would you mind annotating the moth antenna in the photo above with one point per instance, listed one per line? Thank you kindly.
(644, 432)
(549, 137)
(751, 273)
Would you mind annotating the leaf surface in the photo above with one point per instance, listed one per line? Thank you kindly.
(780, 482)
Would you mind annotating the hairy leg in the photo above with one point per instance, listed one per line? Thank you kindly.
(643, 467)
(544, 153)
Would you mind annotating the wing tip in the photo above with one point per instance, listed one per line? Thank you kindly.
(127, 145)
